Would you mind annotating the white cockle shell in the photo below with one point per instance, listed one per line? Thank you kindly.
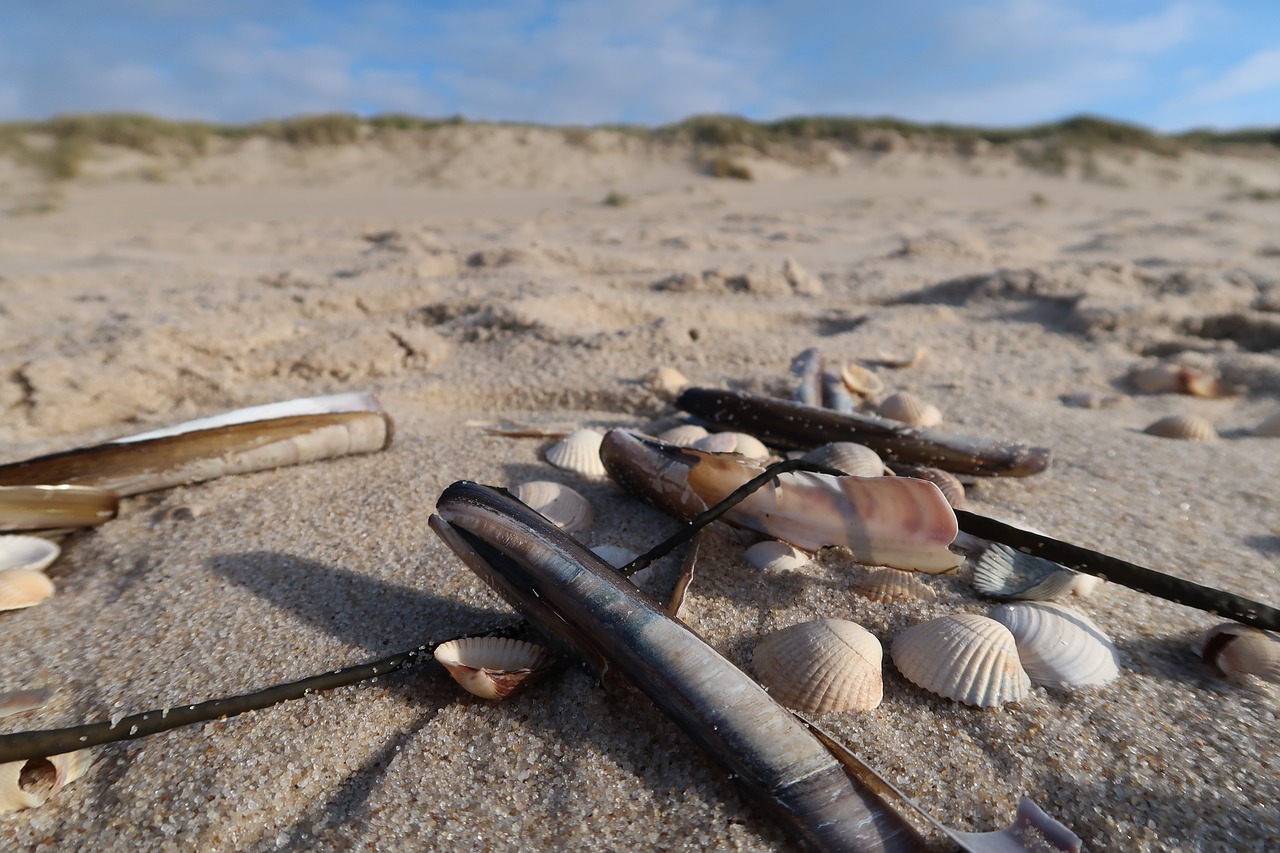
(888, 585)
(1184, 427)
(733, 442)
(579, 452)
(1236, 650)
(816, 667)
(1003, 572)
(493, 667)
(1058, 646)
(27, 552)
(909, 409)
(559, 504)
(857, 460)
(684, 435)
(774, 556)
(962, 656)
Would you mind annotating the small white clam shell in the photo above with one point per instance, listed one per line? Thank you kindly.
(614, 555)
(492, 667)
(854, 459)
(1058, 646)
(817, 667)
(21, 588)
(1237, 650)
(774, 556)
(1003, 572)
(888, 585)
(861, 381)
(666, 382)
(910, 409)
(579, 452)
(1270, 427)
(561, 505)
(963, 656)
(733, 442)
(684, 435)
(27, 552)
(1184, 427)
(28, 784)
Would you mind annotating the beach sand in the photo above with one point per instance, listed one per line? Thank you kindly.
(502, 287)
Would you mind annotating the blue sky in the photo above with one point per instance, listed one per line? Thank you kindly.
(1167, 65)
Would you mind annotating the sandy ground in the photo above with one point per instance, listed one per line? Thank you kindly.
(133, 306)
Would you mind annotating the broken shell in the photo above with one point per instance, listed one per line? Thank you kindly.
(1269, 427)
(21, 701)
(1184, 427)
(816, 667)
(888, 585)
(579, 452)
(27, 552)
(684, 435)
(949, 484)
(1235, 649)
(861, 381)
(666, 382)
(21, 588)
(965, 657)
(857, 460)
(1058, 646)
(909, 409)
(614, 555)
(28, 784)
(1002, 572)
(733, 442)
(493, 667)
(559, 504)
(774, 556)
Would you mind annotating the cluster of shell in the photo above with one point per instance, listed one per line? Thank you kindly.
(1169, 378)
(844, 388)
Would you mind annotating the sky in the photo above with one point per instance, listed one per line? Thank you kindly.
(1165, 64)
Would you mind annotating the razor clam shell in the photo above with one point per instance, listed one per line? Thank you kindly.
(493, 667)
(1184, 427)
(1004, 572)
(1237, 650)
(820, 667)
(579, 452)
(21, 588)
(962, 656)
(1059, 646)
(835, 395)
(559, 504)
(55, 507)
(774, 556)
(889, 585)
(909, 409)
(856, 460)
(883, 521)
(949, 484)
(27, 552)
(684, 435)
(216, 447)
(807, 367)
(785, 424)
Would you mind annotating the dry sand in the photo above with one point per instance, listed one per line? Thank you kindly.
(479, 292)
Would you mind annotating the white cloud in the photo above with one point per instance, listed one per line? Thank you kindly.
(1259, 73)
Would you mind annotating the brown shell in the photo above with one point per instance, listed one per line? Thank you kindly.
(949, 484)
(1184, 427)
(888, 585)
(1237, 650)
(861, 381)
(493, 667)
(909, 409)
(21, 588)
(816, 667)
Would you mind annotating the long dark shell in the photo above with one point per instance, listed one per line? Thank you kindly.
(574, 596)
(781, 423)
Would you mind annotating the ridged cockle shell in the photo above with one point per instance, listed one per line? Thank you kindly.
(579, 452)
(1058, 646)
(1184, 427)
(965, 657)
(493, 667)
(856, 460)
(1235, 649)
(733, 442)
(888, 585)
(909, 409)
(21, 588)
(816, 667)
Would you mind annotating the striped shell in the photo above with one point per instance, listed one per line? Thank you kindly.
(27, 552)
(684, 435)
(1270, 427)
(493, 667)
(949, 484)
(559, 504)
(888, 585)
(1184, 427)
(733, 442)
(21, 588)
(965, 657)
(579, 452)
(1003, 572)
(1058, 646)
(854, 459)
(817, 667)
(909, 409)
(774, 556)
(1237, 650)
